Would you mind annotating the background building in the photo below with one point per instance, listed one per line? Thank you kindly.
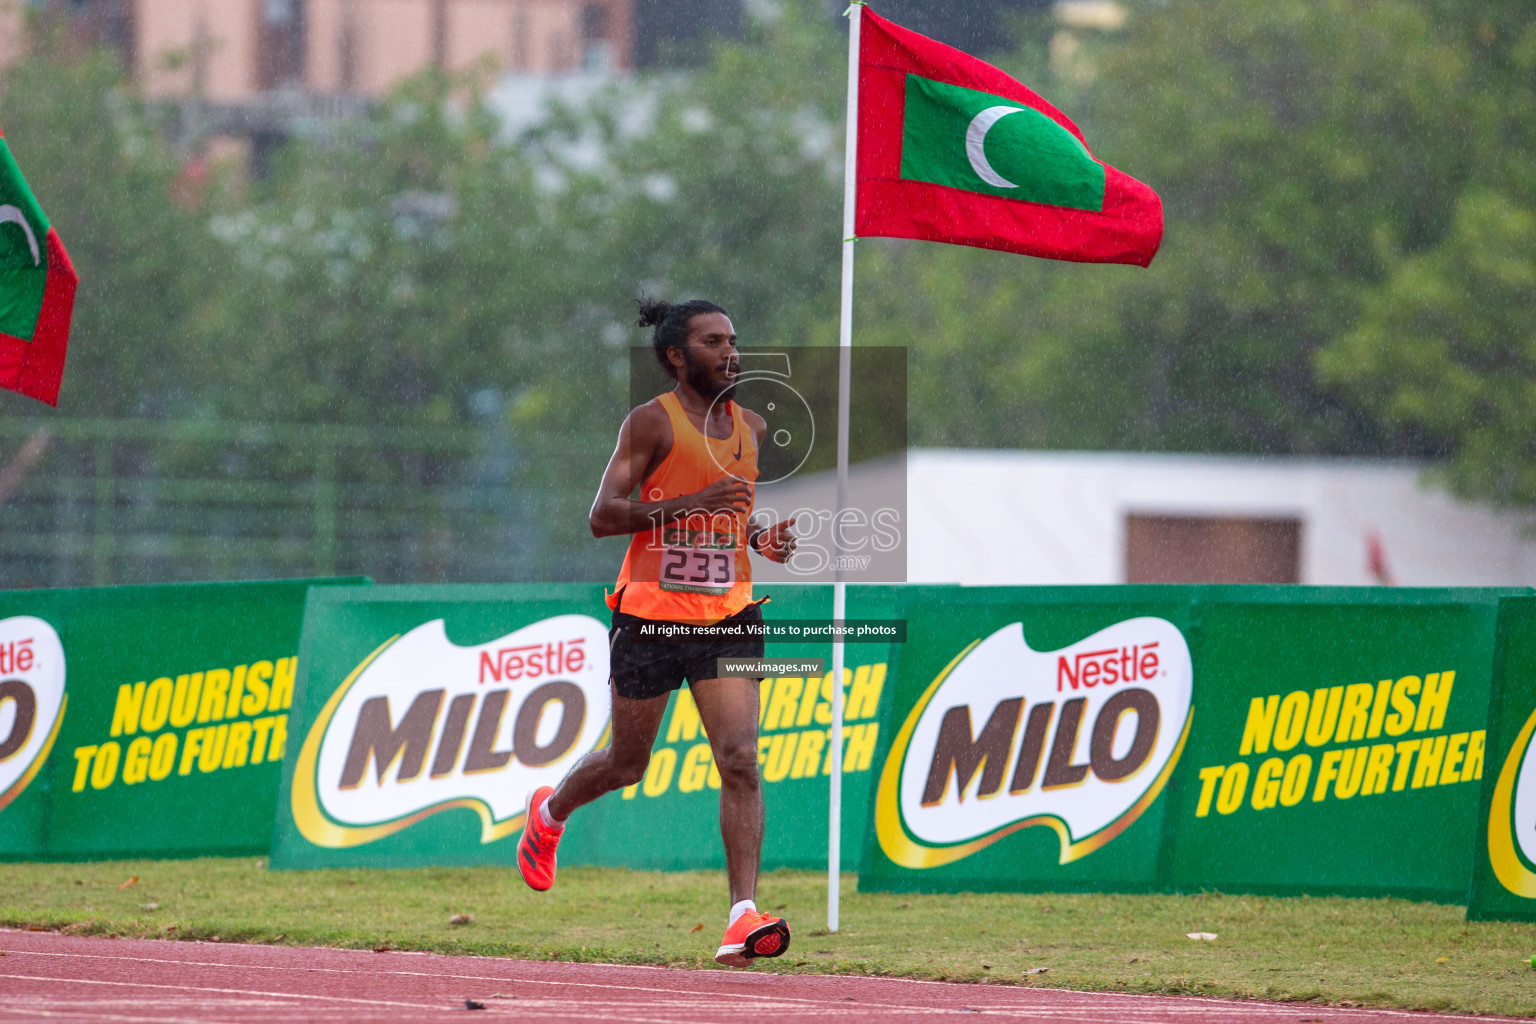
(231, 50)
(1040, 518)
(263, 70)
(976, 26)
(10, 32)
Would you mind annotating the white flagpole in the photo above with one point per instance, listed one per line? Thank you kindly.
(844, 367)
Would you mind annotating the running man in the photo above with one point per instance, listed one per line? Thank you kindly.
(692, 453)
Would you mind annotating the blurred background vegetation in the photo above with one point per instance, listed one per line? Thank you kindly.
(403, 351)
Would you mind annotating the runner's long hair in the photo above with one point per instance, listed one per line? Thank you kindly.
(671, 324)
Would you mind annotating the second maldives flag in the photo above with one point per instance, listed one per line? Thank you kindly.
(37, 290)
(953, 150)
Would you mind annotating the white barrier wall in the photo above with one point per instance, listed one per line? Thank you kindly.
(1027, 517)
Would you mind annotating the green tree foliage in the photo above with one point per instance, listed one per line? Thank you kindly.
(408, 275)
(1347, 266)
(432, 271)
(729, 189)
(1349, 193)
(391, 278)
(1445, 344)
(1297, 147)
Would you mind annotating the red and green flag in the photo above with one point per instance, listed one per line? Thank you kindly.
(37, 290)
(950, 149)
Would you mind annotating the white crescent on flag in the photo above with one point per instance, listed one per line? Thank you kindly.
(14, 215)
(976, 141)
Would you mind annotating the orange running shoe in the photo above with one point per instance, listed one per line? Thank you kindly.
(536, 850)
(753, 935)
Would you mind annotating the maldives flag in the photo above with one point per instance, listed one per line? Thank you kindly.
(37, 290)
(953, 150)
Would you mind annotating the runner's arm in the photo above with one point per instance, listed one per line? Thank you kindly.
(645, 440)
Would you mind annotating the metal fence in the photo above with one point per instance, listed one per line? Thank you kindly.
(95, 501)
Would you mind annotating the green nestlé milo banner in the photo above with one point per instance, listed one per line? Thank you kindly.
(1504, 854)
(1030, 729)
(144, 721)
(1260, 739)
(427, 715)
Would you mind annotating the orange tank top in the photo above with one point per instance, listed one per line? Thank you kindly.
(695, 569)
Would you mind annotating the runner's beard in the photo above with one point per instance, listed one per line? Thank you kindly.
(701, 378)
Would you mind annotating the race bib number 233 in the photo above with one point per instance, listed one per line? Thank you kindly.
(698, 561)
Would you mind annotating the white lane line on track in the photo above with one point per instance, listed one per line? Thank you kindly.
(555, 1009)
(225, 991)
(102, 1010)
(1168, 1005)
(626, 1015)
(78, 1012)
(813, 1002)
(626, 1012)
(560, 1010)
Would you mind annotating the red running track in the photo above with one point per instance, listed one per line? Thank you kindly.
(61, 978)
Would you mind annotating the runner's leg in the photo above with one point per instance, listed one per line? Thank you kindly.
(728, 709)
(621, 763)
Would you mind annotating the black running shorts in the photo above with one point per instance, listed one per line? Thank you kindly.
(643, 668)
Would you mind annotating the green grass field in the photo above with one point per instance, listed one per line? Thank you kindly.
(1342, 951)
